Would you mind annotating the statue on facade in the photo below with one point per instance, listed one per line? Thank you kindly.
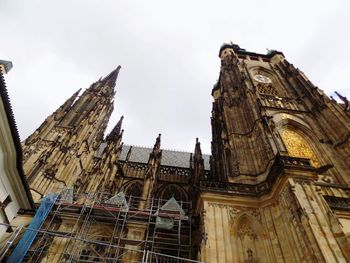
(250, 258)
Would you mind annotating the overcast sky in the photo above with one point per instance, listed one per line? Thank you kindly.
(168, 53)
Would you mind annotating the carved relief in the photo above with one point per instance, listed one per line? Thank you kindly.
(245, 229)
(250, 257)
(249, 239)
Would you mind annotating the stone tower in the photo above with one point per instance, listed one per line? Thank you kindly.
(60, 153)
(279, 184)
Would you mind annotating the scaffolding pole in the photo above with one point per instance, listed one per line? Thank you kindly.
(99, 230)
(26, 241)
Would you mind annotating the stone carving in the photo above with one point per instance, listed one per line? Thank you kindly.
(217, 205)
(245, 229)
(325, 179)
(267, 89)
(250, 257)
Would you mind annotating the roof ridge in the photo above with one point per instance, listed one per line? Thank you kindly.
(139, 146)
(166, 149)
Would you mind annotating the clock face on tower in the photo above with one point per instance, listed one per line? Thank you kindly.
(262, 79)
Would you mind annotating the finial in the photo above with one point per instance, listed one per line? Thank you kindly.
(197, 150)
(345, 100)
(116, 131)
(111, 78)
(128, 154)
(66, 105)
(76, 93)
(157, 144)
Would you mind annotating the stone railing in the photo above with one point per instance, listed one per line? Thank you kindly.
(338, 203)
(137, 167)
(280, 164)
(295, 161)
(174, 174)
(271, 101)
(242, 189)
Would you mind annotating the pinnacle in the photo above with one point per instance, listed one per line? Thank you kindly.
(111, 78)
(74, 96)
(68, 103)
(116, 132)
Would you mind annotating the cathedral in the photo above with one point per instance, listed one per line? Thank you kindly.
(276, 187)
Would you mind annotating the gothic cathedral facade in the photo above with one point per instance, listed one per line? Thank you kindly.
(276, 187)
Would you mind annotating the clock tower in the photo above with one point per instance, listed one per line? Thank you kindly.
(279, 165)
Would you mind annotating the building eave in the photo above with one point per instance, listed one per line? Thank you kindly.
(15, 136)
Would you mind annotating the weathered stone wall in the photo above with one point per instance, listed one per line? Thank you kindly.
(293, 225)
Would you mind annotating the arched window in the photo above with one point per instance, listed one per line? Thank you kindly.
(134, 189)
(174, 191)
(133, 194)
(298, 146)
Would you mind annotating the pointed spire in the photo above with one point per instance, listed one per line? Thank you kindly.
(198, 163)
(75, 95)
(59, 113)
(156, 152)
(197, 150)
(157, 144)
(345, 100)
(116, 131)
(69, 101)
(111, 78)
(128, 154)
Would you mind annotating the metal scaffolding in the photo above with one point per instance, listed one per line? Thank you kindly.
(98, 227)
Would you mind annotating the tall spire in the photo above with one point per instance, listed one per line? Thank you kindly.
(111, 78)
(115, 133)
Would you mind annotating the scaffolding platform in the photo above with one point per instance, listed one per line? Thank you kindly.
(98, 227)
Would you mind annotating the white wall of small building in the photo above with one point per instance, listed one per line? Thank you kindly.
(10, 181)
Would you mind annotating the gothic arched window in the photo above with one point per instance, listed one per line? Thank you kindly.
(174, 191)
(134, 189)
(298, 146)
(133, 194)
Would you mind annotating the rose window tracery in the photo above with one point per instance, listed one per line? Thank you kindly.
(267, 89)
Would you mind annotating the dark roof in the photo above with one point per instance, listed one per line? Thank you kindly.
(169, 157)
(13, 127)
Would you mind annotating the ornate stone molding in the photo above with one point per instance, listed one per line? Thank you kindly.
(281, 163)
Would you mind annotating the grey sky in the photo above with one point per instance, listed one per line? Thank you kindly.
(168, 53)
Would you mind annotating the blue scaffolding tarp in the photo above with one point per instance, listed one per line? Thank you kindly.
(30, 234)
